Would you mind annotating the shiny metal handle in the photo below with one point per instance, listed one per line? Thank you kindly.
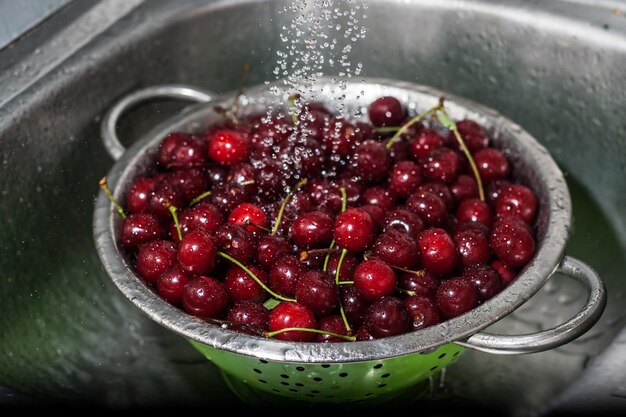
(556, 336)
(108, 128)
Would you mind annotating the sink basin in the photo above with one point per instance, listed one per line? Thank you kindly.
(70, 336)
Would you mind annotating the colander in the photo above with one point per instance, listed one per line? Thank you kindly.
(370, 371)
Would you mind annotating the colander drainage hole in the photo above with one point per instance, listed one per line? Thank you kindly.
(300, 368)
(378, 366)
(443, 355)
(284, 383)
(382, 385)
(284, 376)
(258, 371)
(385, 375)
(317, 379)
(299, 384)
(456, 353)
(262, 381)
(325, 365)
(343, 374)
(263, 361)
(434, 367)
(314, 391)
(275, 390)
(293, 390)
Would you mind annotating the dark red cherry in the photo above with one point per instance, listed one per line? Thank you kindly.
(404, 220)
(363, 334)
(227, 198)
(309, 158)
(404, 179)
(154, 258)
(431, 209)
(380, 196)
(332, 324)
(518, 200)
(318, 292)
(441, 165)
(204, 216)
(242, 287)
(421, 283)
(439, 254)
(285, 274)
(492, 164)
(197, 252)
(494, 188)
(354, 306)
(228, 147)
(162, 196)
(485, 278)
(138, 195)
(205, 297)
(371, 160)
(474, 210)
(140, 228)
(289, 315)
(189, 182)
(181, 150)
(512, 243)
(423, 311)
(249, 216)
(171, 285)
(387, 317)
(244, 177)
(340, 137)
(473, 246)
(374, 279)
(441, 190)
(348, 266)
(354, 230)
(249, 314)
(386, 111)
(312, 230)
(377, 214)
(426, 141)
(396, 248)
(270, 249)
(235, 241)
(464, 187)
(456, 296)
(473, 135)
(507, 274)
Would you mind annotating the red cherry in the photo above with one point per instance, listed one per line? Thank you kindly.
(228, 147)
(492, 164)
(374, 279)
(387, 317)
(205, 297)
(386, 111)
(425, 142)
(248, 215)
(474, 210)
(242, 287)
(140, 228)
(318, 292)
(171, 285)
(196, 253)
(438, 252)
(154, 258)
(518, 200)
(139, 193)
(456, 296)
(289, 315)
(354, 230)
(423, 311)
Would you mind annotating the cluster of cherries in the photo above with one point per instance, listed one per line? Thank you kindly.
(305, 226)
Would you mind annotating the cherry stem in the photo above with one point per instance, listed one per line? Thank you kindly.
(306, 329)
(419, 272)
(330, 250)
(304, 255)
(292, 107)
(279, 217)
(174, 211)
(410, 123)
(387, 129)
(105, 187)
(447, 121)
(344, 204)
(337, 273)
(407, 292)
(258, 226)
(345, 283)
(254, 277)
(200, 198)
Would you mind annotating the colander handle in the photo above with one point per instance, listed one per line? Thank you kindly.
(556, 336)
(108, 128)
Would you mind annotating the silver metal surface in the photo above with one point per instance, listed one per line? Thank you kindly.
(531, 162)
(110, 120)
(558, 335)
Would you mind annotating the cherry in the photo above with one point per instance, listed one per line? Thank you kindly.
(431, 208)
(371, 160)
(438, 252)
(494, 188)
(512, 243)
(363, 334)
(386, 111)
(340, 137)
(137, 198)
(171, 284)
(270, 249)
(189, 182)
(309, 158)
(396, 248)
(374, 279)
(441, 164)
(354, 230)
(181, 150)
(140, 228)
(204, 216)
(205, 297)
(507, 274)
(492, 164)
(289, 314)
(404, 179)
(474, 210)
(377, 215)
(441, 190)
(227, 198)
(285, 274)
(518, 200)
(380, 196)
(154, 258)
(387, 317)
(228, 147)
(420, 283)
(456, 296)
(354, 306)
(423, 311)
(162, 196)
(312, 230)
(235, 241)
(313, 121)
(248, 215)
(426, 141)
(243, 176)
(270, 177)
(464, 187)
(348, 266)
(318, 292)
(196, 253)
(404, 220)
(332, 324)
(472, 133)
(242, 287)
(473, 246)
(250, 314)
(486, 280)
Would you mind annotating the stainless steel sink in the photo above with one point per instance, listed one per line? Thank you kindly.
(68, 335)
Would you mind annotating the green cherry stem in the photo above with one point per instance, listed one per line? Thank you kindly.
(447, 122)
(254, 277)
(200, 198)
(344, 204)
(387, 129)
(174, 212)
(346, 283)
(341, 311)
(410, 123)
(105, 187)
(258, 226)
(407, 292)
(281, 212)
(305, 329)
